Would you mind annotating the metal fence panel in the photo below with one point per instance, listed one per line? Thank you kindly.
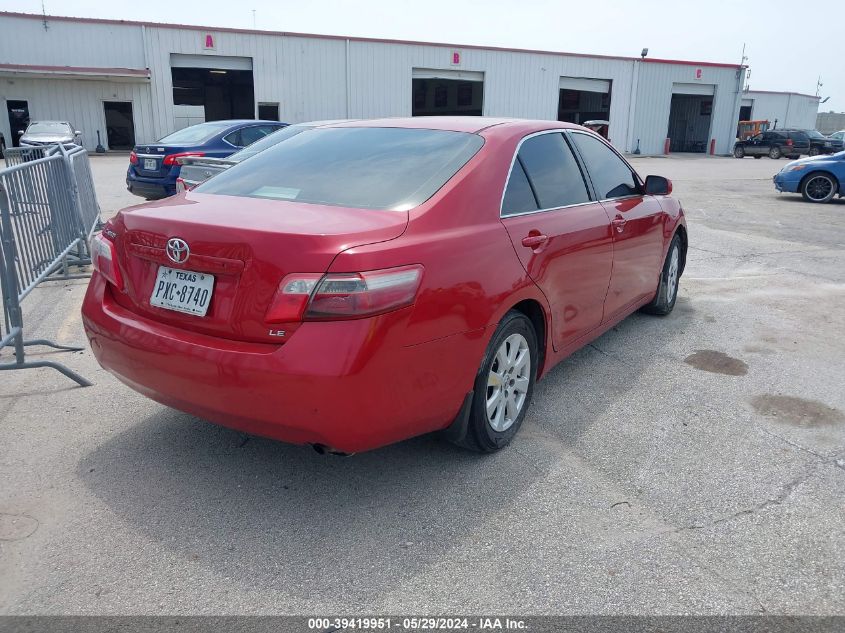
(48, 209)
(89, 209)
(18, 155)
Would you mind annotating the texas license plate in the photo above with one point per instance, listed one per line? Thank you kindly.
(150, 164)
(182, 290)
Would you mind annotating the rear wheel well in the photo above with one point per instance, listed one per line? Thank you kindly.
(535, 313)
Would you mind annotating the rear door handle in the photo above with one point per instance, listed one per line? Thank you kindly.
(619, 223)
(534, 240)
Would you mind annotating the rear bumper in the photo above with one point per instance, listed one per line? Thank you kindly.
(150, 188)
(348, 385)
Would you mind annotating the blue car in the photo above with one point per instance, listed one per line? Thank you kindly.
(818, 179)
(153, 168)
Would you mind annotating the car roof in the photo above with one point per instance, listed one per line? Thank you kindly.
(472, 124)
(244, 121)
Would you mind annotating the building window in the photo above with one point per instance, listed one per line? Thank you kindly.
(268, 111)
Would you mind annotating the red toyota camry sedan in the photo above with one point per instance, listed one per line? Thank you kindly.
(370, 281)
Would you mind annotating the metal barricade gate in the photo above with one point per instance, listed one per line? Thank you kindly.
(48, 210)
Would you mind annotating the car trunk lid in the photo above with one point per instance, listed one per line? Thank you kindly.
(248, 245)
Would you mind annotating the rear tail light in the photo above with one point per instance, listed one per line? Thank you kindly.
(789, 142)
(170, 159)
(133, 158)
(104, 260)
(337, 296)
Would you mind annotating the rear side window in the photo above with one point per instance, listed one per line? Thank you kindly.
(255, 133)
(369, 168)
(518, 196)
(546, 164)
(611, 176)
(268, 141)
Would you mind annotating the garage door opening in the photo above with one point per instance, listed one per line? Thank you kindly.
(447, 93)
(223, 86)
(583, 99)
(120, 127)
(689, 118)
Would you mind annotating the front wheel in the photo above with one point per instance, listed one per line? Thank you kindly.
(667, 288)
(739, 152)
(503, 386)
(774, 153)
(819, 188)
(814, 151)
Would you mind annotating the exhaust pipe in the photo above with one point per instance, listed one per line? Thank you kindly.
(322, 449)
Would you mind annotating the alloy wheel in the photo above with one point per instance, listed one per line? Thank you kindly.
(507, 382)
(819, 188)
(672, 277)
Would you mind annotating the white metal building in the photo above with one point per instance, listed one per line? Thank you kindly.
(140, 81)
(830, 122)
(780, 109)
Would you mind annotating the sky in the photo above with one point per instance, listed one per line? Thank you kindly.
(785, 51)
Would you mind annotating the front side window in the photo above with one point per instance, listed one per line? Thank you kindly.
(360, 167)
(611, 176)
(551, 172)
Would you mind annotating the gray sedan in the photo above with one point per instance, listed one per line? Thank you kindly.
(39, 133)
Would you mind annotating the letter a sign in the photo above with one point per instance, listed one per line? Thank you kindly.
(209, 42)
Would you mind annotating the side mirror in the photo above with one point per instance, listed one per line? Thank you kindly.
(658, 186)
(77, 133)
(20, 132)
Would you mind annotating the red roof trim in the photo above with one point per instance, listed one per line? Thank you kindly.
(219, 29)
(780, 92)
(139, 72)
(654, 60)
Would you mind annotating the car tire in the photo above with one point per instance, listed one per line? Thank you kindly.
(739, 152)
(775, 153)
(819, 187)
(758, 156)
(670, 277)
(509, 368)
(814, 151)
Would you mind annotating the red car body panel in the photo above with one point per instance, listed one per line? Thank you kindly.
(358, 384)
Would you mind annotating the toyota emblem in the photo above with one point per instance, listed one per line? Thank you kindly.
(178, 250)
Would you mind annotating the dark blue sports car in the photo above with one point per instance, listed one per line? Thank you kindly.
(153, 168)
(818, 179)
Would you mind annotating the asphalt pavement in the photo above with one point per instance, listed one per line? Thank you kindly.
(692, 464)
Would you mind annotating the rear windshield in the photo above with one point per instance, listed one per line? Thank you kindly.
(370, 168)
(194, 135)
(268, 141)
